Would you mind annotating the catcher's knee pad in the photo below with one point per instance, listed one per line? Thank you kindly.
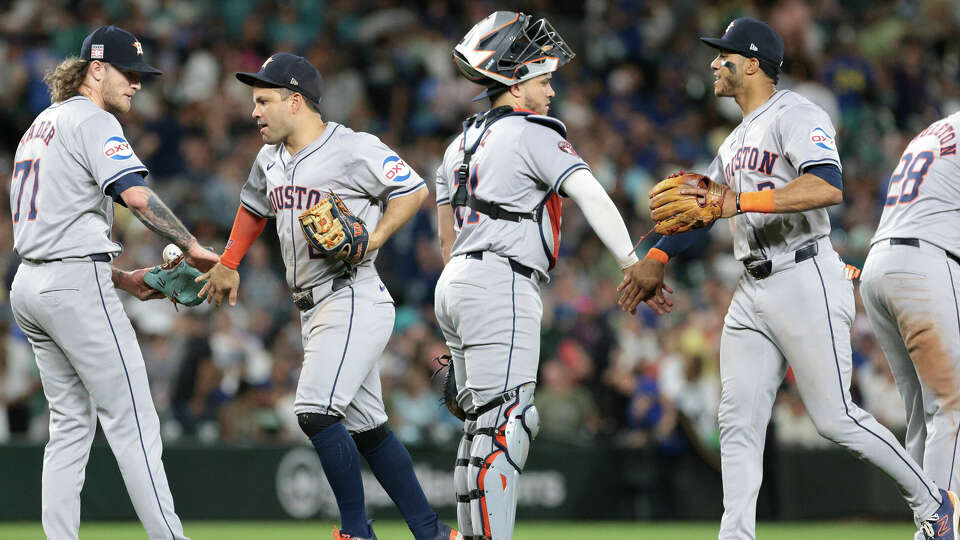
(504, 432)
(313, 423)
(370, 439)
(460, 484)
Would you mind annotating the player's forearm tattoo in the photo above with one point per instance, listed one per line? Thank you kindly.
(159, 219)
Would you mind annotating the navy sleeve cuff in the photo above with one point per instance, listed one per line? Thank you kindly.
(829, 172)
(675, 244)
(118, 186)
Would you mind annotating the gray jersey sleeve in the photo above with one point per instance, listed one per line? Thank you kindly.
(445, 171)
(808, 137)
(715, 171)
(443, 188)
(549, 156)
(380, 172)
(105, 151)
(253, 196)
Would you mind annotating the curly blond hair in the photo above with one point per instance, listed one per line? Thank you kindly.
(64, 80)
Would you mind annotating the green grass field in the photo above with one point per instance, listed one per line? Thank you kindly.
(392, 530)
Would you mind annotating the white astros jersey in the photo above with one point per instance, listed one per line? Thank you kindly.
(358, 167)
(64, 164)
(770, 148)
(520, 161)
(924, 189)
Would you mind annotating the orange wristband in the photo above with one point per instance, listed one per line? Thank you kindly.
(247, 226)
(756, 201)
(658, 255)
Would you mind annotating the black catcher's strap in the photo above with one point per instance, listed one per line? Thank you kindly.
(462, 197)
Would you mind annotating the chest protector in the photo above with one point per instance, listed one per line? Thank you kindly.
(551, 204)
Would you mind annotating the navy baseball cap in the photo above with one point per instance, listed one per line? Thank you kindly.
(751, 38)
(119, 48)
(285, 70)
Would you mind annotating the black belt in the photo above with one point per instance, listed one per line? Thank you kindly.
(97, 257)
(915, 242)
(524, 271)
(304, 299)
(763, 268)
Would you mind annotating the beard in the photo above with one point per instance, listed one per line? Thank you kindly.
(725, 86)
(118, 103)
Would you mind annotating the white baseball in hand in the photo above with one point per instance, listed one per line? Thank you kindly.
(171, 252)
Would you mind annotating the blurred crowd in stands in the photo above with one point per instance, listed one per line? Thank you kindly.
(638, 103)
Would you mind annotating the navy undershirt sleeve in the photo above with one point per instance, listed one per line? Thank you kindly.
(829, 172)
(123, 183)
(675, 244)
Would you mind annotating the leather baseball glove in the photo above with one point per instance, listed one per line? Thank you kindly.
(332, 230)
(449, 386)
(176, 280)
(676, 211)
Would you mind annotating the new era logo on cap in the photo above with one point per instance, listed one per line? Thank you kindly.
(96, 51)
(753, 47)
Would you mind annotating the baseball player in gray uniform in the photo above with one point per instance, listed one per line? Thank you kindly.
(909, 289)
(71, 166)
(347, 313)
(498, 195)
(793, 305)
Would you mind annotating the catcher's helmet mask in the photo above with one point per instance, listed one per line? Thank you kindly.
(508, 48)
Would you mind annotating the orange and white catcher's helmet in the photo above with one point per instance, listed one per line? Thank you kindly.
(507, 48)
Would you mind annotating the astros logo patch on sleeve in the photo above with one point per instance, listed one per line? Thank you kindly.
(395, 169)
(821, 138)
(565, 146)
(117, 148)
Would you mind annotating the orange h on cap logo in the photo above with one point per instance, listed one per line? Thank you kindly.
(139, 47)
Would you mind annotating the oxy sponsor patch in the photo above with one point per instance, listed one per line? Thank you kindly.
(821, 138)
(395, 169)
(117, 148)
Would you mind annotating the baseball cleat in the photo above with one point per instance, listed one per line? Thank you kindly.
(338, 535)
(943, 524)
(448, 533)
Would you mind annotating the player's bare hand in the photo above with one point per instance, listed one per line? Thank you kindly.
(220, 281)
(729, 207)
(660, 303)
(133, 283)
(201, 258)
(641, 282)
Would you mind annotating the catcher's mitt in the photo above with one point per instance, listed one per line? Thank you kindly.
(677, 212)
(176, 280)
(449, 386)
(334, 231)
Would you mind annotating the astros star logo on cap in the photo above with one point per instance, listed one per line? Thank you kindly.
(267, 62)
(139, 47)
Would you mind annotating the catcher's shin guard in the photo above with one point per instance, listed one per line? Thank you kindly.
(505, 429)
(464, 520)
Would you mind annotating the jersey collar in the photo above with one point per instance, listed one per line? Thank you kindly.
(319, 141)
(766, 104)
